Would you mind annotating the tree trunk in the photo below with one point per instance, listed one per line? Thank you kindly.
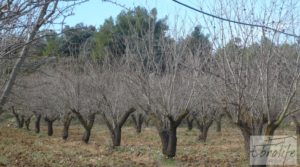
(298, 130)
(219, 126)
(169, 141)
(203, 126)
(247, 138)
(138, 121)
(297, 123)
(172, 143)
(203, 134)
(219, 122)
(50, 128)
(86, 136)
(22, 120)
(27, 123)
(190, 124)
(247, 132)
(86, 123)
(50, 125)
(19, 120)
(164, 137)
(246, 135)
(115, 127)
(37, 123)
(66, 125)
(116, 136)
(168, 134)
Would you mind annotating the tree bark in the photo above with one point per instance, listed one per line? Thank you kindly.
(247, 132)
(219, 126)
(203, 134)
(88, 128)
(138, 121)
(50, 125)
(246, 135)
(37, 123)
(164, 137)
(115, 127)
(116, 136)
(50, 128)
(172, 142)
(27, 123)
(87, 124)
(66, 125)
(168, 139)
(297, 124)
(204, 127)
(168, 135)
(19, 120)
(86, 136)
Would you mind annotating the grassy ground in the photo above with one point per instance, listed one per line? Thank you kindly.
(19, 147)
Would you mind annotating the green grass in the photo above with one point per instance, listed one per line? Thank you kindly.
(3, 160)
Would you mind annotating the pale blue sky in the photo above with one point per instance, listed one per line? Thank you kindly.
(95, 12)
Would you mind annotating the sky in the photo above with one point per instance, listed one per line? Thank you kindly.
(94, 12)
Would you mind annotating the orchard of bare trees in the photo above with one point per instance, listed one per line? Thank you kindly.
(239, 64)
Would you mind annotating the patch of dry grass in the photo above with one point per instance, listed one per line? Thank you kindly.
(19, 147)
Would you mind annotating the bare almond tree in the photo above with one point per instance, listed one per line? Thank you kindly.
(161, 83)
(73, 87)
(205, 114)
(111, 94)
(22, 20)
(258, 65)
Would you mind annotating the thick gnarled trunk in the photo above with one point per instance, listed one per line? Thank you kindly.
(115, 127)
(37, 123)
(86, 123)
(86, 135)
(116, 136)
(50, 122)
(168, 135)
(50, 128)
(248, 131)
(168, 139)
